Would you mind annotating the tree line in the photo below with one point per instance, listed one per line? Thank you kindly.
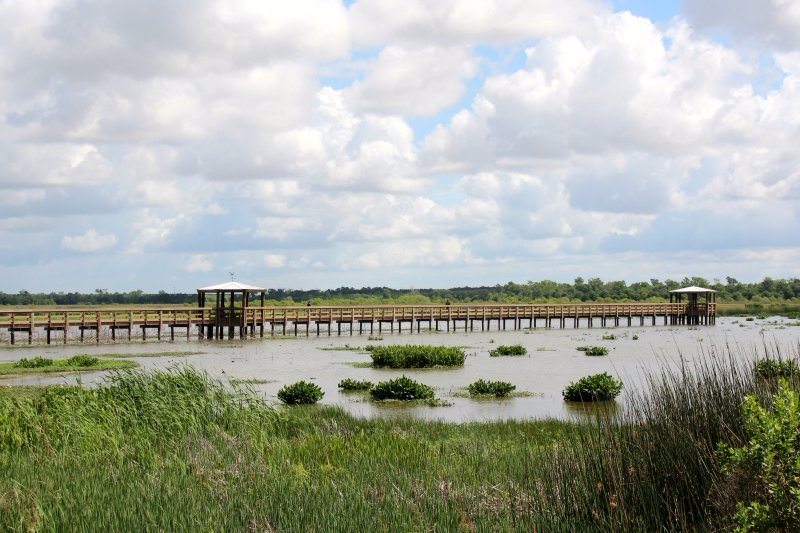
(594, 289)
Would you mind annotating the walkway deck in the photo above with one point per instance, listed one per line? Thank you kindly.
(124, 324)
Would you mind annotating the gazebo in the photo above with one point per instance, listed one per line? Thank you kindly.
(695, 313)
(230, 301)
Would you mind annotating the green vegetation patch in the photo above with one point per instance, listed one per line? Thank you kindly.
(402, 388)
(251, 381)
(300, 393)
(513, 350)
(593, 350)
(609, 337)
(349, 384)
(776, 368)
(491, 388)
(595, 388)
(416, 356)
(76, 363)
(174, 353)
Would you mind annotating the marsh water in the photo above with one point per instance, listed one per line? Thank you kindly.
(552, 362)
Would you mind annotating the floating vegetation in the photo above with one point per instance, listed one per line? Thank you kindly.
(349, 384)
(595, 388)
(635, 337)
(375, 338)
(512, 350)
(490, 388)
(416, 356)
(402, 388)
(610, 337)
(300, 393)
(593, 350)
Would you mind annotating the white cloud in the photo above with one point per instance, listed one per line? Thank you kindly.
(89, 242)
(765, 23)
(199, 263)
(275, 260)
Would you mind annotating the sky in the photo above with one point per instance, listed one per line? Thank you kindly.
(319, 143)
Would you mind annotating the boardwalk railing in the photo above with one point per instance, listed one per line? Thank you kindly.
(210, 323)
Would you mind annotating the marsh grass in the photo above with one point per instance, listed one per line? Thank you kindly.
(179, 450)
(66, 365)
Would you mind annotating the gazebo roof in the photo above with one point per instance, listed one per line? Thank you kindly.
(232, 286)
(692, 289)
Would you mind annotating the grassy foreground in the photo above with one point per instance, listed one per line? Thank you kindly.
(178, 450)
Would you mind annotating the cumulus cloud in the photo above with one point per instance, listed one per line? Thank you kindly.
(333, 139)
(89, 242)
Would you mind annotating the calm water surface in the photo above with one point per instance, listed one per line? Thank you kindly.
(552, 362)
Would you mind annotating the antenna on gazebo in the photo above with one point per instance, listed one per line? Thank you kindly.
(233, 275)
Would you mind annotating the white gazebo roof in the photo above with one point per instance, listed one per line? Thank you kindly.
(691, 289)
(232, 286)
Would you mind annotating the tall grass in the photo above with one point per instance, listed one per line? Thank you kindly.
(178, 450)
(416, 356)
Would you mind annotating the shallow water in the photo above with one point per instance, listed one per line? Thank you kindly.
(552, 362)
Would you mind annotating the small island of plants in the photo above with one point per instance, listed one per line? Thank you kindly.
(416, 356)
(595, 388)
(350, 384)
(497, 389)
(402, 388)
(593, 350)
(300, 393)
(512, 350)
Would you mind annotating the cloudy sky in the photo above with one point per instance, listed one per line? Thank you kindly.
(415, 143)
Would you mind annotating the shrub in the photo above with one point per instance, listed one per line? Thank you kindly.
(515, 349)
(354, 384)
(36, 362)
(411, 356)
(775, 368)
(595, 388)
(771, 458)
(610, 337)
(635, 337)
(81, 360)
(301, 392)
(490, 388)
(593, 350)
(401, 388)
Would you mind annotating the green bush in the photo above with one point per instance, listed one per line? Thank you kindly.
(414, 356)
(771, 459)
(401, 388)
(81, 360)
(354, 384)
(36, 362)
(490, 388)
(301, 392)
(593, 350)
(595, 388)
(515, 349)
(610, 337)
(776, 368)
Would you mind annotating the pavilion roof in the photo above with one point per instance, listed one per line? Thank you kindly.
(232, 286)
(693, 289)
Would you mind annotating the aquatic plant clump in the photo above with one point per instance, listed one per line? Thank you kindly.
(36, 362)
(416, 356)
(300, 393)
(349, 384)
(513, 350)
(775, 368)
(593, 350)
(402, 388)
(81, 360)
(594, 388)
(491, 388)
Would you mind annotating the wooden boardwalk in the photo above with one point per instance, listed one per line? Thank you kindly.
(125, 324)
